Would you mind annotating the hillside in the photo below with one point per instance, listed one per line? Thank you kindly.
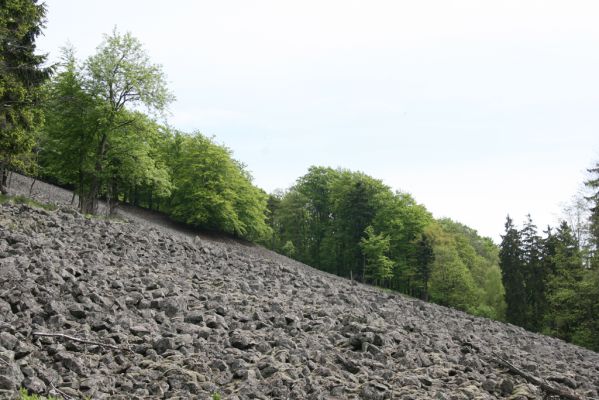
(145, 313)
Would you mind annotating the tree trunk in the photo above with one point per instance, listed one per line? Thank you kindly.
(89, 204)
(113, 197)
(31, 187)
(3, 180)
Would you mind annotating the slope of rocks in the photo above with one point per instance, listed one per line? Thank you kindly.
(147, 314)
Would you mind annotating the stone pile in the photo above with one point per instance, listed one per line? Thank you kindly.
(116, 310)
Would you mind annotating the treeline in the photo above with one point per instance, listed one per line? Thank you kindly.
(96, 140)
(92, 125)
(552, 280)
(353, 225)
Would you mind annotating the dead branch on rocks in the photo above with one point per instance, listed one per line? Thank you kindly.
(547, 388)
(75, 339)
(60, 392)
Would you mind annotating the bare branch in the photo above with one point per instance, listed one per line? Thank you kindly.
(546, 387)
(74, 339)
(60, 392)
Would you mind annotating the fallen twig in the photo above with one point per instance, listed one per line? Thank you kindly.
(60, 392)
(5, 362)
(75, 339)
(546, 387)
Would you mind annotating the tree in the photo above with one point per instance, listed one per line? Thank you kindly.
(71, 124)
(564, 262)
(512, 273)
(425, 256)
(21, 76)
(535, 274)
(213, 191)
(451, 283)
(120, 75)
(593, 184)
(378, 268)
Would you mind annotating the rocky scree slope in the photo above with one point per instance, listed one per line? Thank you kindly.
(162, 316)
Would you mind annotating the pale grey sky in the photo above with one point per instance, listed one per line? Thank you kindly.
(477, 108)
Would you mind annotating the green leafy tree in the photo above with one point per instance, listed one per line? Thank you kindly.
(405, 221)
(356, 199)
(451, 283)
(378, 268)
(288, 249)
(119, 75)
(21, 76)
(213, 191)
(70, 128)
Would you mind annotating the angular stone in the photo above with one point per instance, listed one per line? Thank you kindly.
(163, 344)
(194, 317)
(8, 341)
(34, 385)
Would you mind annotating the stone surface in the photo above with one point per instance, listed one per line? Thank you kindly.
(195, 317)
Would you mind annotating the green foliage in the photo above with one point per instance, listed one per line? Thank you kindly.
(216, 396)
(513, 275)
(451, 282)
(557, 289)
(350, 224)
(93, 139)
(213, 191)
(21, 78)
(377, 266)
(288, 249)
(24, 395)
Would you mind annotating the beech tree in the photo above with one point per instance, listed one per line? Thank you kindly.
(21, 76)
(213, 191)
(378, 268)
(120, 75)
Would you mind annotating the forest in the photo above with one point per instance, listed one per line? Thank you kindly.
(97, 126)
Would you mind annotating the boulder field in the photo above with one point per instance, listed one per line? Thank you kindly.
(118, 310)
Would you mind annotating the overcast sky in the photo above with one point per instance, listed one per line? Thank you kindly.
(477, 108)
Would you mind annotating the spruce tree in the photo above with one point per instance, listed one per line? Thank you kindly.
(593, 184)
(512, 273)
(534, 274)
(21, 76)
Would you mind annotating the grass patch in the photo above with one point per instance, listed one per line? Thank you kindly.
(26, 200)
(23, 395)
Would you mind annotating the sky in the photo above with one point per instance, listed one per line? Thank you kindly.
(477, 108)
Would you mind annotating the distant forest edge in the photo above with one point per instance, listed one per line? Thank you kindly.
(93, 125)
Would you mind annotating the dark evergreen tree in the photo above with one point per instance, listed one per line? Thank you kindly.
(534, 274)
(512, 273)
(593, 184)
(21, 76)
(563, 259)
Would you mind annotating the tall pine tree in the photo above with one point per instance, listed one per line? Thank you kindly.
(534, 274)
(21, 76)
(512, 273)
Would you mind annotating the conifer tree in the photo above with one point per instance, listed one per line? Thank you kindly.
(593, 184)
(534, 274)
(21, 76)
(511, 263)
